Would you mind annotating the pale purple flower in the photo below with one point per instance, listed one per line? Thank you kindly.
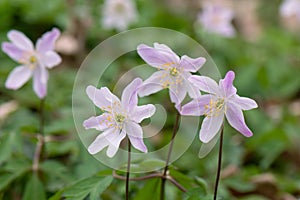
(34, 61)
(290, 8)
(119, 118)
(221, 100)
(119, 14)
(217, 19)
(173, 72)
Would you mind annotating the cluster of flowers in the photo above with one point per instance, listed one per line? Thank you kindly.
(215, 17)
(122, 117)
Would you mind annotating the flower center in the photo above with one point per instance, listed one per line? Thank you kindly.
(120, 8)
(120, 118)
(174, 71)
(171, 75)
(215, 107)
(32, 62)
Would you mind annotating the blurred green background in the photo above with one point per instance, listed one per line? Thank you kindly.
(264, 55)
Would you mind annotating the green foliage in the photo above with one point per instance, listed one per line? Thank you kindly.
(92, 186)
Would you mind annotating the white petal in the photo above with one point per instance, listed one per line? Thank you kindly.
(191, 64)
(244, 102)
(47, 41)
(100, 142)
(20, 40)
(18, 77)
(197, 106)
(236, 119)
(210, 127)
(13, 51)
(102, 97)
(50, 59)
(205, 84)
(135, 134)
(142, 112)
(160, 56)
(129, 96)
(99, 122)
(115, 140)
(153, 84)
(40, 78)
(177, 93)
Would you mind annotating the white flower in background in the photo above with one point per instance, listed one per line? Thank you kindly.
(290, 8)
(217, 19)
(118, 14)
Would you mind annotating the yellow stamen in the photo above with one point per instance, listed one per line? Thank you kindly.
(215, 108)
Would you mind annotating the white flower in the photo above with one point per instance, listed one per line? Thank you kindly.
(289, 8)
(217, 19)
(118, 14)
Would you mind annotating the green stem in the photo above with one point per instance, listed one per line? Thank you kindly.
(163, 180)
(219, 163)
(40, 138)
(128, 170)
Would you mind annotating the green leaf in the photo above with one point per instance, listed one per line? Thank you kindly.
(92, 185)
(6, 146)
(34, 189)
(149, 190)
(100, 187)
(13, 171)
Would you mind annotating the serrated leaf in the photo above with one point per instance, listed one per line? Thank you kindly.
(34, 189)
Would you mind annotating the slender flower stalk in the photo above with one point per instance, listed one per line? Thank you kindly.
(219, 163)
(40, 136)
(128, 169)
(164, 177)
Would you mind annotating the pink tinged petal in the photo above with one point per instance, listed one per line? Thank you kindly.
(40, 78)
(99, 122)
(289, 8)
(177, 93)
(153, 84)
(18, 77)
(244, 102)
(192, 90)
(196, 107)
(135, 134)
(102, 97)
(191, 64)
(50, 59)
(114, 143)
(235, 118)
(205, 84)
(226, 84)
(129, 96)
(47, 41)
(160, 58)
(12, 51)
(210, 127)
(142, 112)
(20, 40)
(100, 142)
